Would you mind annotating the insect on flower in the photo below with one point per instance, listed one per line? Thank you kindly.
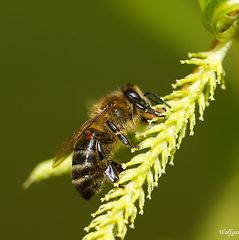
(93, 144)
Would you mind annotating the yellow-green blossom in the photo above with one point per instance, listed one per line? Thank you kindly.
(161, 142)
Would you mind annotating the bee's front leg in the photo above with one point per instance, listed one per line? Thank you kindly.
(159, 99)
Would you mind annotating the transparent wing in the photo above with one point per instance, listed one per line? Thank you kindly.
(68, 146)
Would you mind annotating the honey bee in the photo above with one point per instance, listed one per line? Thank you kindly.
(93, 144)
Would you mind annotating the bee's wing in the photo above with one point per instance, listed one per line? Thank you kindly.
(68, 146)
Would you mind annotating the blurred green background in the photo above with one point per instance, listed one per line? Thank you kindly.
(56, 58)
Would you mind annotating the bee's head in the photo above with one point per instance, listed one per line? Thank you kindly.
(141, 103)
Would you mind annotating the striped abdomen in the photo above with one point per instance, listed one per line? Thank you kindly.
(87, 176)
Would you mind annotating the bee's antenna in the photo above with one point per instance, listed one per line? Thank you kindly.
(157, 97)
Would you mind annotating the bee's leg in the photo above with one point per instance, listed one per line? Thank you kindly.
(143, 106)
(113, 171)
(119, 134)
(157, 97)
(102, 139)
(117, 166)
(100, 151)
(102, 156)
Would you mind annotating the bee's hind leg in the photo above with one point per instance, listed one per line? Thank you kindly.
(113, 171)
(117, 166)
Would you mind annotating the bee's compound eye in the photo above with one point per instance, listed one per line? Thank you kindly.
(132, 95)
